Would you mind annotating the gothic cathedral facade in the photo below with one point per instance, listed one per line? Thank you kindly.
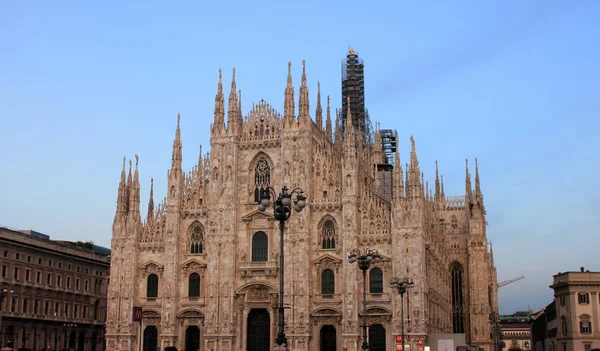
(203, 265)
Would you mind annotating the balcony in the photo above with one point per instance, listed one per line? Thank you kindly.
(259, 269)
(327, 299)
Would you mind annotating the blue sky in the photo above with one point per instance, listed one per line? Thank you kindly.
(512, 83)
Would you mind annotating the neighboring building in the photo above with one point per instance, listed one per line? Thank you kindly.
(59, 292)
(516, 334)
(544, 329)
(204, 265)
(576, 297)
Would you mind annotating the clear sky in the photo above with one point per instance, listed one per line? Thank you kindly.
(513, 83)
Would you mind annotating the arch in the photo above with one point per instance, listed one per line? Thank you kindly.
(260, 173)
(326, 312)
(327, 228)
(258, 335)
(377, 337)
(150, 338)
(9, 338)
(152, 286)
(260, 247)
(376, 281)
(327, 282)
(327, 338)
(94, 341)
(190, 312)
(192, 338)
(196, 238)
(457, 288)
(194, 285)
(81, 341)
(256, 284)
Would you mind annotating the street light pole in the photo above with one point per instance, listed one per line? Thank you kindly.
(282, 210)
(364, 257)
(401, 285)
(4, 291)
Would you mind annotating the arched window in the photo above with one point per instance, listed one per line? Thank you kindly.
(376, 281)
(458, 319)
(194, 285)
(327, 282)
(454, 222)
(262, 179)
(328, 235)
(260, 247)
(196, 239)
(152, 287)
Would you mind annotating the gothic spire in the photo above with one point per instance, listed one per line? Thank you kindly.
(241, 115)
(233, 105)
(438, 191)
(468, 190)
(319, 110)
(328, 121)
(416, 181)
(398, 177)
(176, 158)
(151, 202)
(378, 157)
(443, 194)
(136, 188)
(129, 190)
(289, 114)
(303, 105)
(338, 127)
(122, 195)
(219, 119)
(477, 185)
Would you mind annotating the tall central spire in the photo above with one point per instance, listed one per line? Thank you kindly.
(319, 110)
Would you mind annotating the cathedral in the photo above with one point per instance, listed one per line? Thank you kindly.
(203, 266)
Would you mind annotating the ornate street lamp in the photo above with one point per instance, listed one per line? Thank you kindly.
(496, 330)
(401, 284)
(282, 210)
(364, 257)
(4, 291)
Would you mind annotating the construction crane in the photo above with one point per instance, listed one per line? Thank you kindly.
(506, 282)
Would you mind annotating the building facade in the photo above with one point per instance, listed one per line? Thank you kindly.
(204, 265)
(57, 293)
(576, 299)
(515, 331)
(544, 329)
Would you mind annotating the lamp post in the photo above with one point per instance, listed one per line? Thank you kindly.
(401, 284)
(364, 257)
(282, 210)
(496, 330)
(4, 291)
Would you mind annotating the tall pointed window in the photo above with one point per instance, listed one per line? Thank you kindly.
(152, 287)
(262, 179)
(458, 318)
(327, 282)
(376, 281)
(196, 239)
(328, 235)
(260, 247)
(194, 285)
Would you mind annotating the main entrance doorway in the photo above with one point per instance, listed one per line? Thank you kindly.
(192, 338)
(328, 338)
(258, 330)
(377, 337)
(150, 338)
